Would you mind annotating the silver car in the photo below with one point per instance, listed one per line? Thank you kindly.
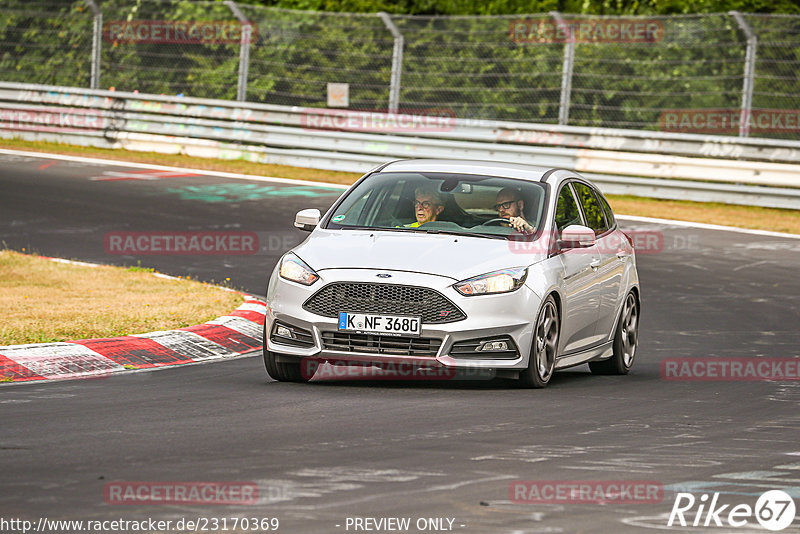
(456, 266)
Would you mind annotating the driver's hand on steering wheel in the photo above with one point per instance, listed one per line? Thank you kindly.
(520, 225)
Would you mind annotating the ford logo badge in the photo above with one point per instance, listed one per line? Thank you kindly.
(384, 275)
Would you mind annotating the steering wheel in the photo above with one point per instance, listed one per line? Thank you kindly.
(394, 222)
(497, 221)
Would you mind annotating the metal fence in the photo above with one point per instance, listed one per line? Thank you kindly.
(703, 168)
(725, 74)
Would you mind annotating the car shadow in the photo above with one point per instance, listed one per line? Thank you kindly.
(571, 378)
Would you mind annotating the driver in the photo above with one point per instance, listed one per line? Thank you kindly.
(428, 205)
(509, 206)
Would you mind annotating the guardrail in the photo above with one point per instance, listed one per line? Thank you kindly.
(761, 172)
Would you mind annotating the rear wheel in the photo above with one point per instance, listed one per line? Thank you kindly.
(281, 371)
(626, 339)
(544, 349)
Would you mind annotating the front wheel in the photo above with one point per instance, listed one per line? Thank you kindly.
(544, 349)
(626, 339)
(281, 371)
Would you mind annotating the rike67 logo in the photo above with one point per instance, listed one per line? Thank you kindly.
(774, 510)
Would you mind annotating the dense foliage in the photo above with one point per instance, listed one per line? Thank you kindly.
(514, 7)
(467, 66)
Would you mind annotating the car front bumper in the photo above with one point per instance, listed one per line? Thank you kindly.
(502, 316)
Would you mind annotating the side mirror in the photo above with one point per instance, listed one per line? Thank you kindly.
(307, 220)
(576, 236)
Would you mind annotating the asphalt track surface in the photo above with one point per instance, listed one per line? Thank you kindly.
(322, 453)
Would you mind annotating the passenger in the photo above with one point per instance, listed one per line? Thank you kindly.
(509, 206)
(428, 205)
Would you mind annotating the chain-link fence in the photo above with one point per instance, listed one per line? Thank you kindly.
(46, 42)
(729, 74)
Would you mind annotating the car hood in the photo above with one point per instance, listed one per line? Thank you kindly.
(456, 257)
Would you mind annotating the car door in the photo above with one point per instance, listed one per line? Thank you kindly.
(610, 267)
(579, 316)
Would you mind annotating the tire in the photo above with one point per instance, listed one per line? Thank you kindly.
(280, 371)
(626, 339)
(544, 348)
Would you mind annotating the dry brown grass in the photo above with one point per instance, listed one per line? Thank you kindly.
(777, 220)
(772, 219)
(45, 301)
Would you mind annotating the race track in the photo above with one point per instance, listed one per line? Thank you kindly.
(322, 453)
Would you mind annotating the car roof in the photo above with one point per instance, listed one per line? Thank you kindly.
(465, 166)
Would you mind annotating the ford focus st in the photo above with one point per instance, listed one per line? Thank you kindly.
(511, 269)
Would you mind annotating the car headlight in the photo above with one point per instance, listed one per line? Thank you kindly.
(502, 281)
(296, 270)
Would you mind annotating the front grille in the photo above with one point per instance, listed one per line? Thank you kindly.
(368, 343)
(384, 299)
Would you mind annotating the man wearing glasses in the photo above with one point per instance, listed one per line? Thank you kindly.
(509, 206)
(428, 205)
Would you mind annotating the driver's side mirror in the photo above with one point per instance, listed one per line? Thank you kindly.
(576, 236)
(307, 220)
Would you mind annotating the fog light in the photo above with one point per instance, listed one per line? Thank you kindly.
(284, 332)
(493, 346)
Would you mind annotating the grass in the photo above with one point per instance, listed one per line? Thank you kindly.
(139, 269)
(44, 301)
(773, 219)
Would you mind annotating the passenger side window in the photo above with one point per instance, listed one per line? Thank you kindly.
(390, 206)
(595, 218)
(606, 210)
(566, 209)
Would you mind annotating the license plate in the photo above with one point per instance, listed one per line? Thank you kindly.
(387, 325)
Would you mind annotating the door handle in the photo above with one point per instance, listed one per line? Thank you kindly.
(622, 255)
(595, 263)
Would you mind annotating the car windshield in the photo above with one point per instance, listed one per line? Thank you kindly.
(442, 203)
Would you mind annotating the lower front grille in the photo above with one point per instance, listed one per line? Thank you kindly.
(372, 344)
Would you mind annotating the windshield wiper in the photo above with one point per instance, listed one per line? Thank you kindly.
(454, 232)
(378, 228)
(370, 228)
(421, 231)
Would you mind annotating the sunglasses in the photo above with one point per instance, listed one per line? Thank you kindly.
(504, 205)
(426, 204)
